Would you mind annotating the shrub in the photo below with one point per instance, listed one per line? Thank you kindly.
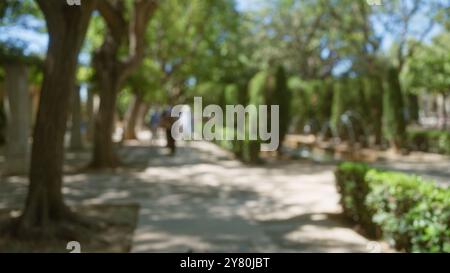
(436, 141)
(351, 184)
(411, 213)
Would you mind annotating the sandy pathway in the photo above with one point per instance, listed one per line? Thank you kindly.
(201, 200)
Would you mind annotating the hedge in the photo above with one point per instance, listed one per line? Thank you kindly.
(409, 212)
(436, 141)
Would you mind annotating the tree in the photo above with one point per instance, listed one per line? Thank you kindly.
(143, 86)
(281, 97)
(113, 66)
(19, 70)
(394, 125)
(44, 207)
(428, 70)
(408, 24)
(373, 87)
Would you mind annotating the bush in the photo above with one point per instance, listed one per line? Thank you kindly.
(435, 141)
(353, 188)
(411, 213)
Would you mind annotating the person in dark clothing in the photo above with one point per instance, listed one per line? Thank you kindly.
(166, 122)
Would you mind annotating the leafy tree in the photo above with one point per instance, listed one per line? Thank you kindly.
(45, 211)
(120, 54)
(429, 70)
(394, 125)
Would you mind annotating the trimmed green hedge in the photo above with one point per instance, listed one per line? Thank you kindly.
(436, 141)
(411, 213)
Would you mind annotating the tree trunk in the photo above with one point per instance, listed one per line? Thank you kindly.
(141, 119)
(67, 27)
(104, 154)
(110, 78)
(112, 70)
(76, 141)
(131, 118)
(18, 119)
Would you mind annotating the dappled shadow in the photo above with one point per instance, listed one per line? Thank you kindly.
(202, 200)
(314, 232)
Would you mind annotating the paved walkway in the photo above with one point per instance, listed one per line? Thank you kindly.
(203, 201)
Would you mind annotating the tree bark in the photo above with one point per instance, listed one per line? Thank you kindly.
(76, 140)
(141, 119)
(131, 117)
(112, 71)
(104, 154)
(67, 27)
(18, 119)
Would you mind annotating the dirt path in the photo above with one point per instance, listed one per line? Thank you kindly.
(201, 200)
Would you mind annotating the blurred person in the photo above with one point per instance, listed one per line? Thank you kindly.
(166, 122)
(155, 119)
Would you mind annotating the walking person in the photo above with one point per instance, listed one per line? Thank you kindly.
(155, 119)
(166, 122)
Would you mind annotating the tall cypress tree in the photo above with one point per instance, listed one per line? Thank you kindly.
(394, 124)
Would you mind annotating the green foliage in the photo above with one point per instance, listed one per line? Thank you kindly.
(258, 89)
(300, 96)
(435, 141)
(123, 101)
(394, 124)
(411, 213)
(282, 96)
(325, 93)
(232, 97)
(268, 87)
(429, 69)
(340, 99)
(315, 98)
(353, 188)
(373, 88)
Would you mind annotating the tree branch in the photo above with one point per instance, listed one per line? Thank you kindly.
(142, 12)
(112, 14)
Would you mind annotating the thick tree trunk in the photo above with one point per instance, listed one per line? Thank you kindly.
(18, 119)
(104, 153)
(131, 118)
(67, 27)
(112, 71)
(76, 141)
